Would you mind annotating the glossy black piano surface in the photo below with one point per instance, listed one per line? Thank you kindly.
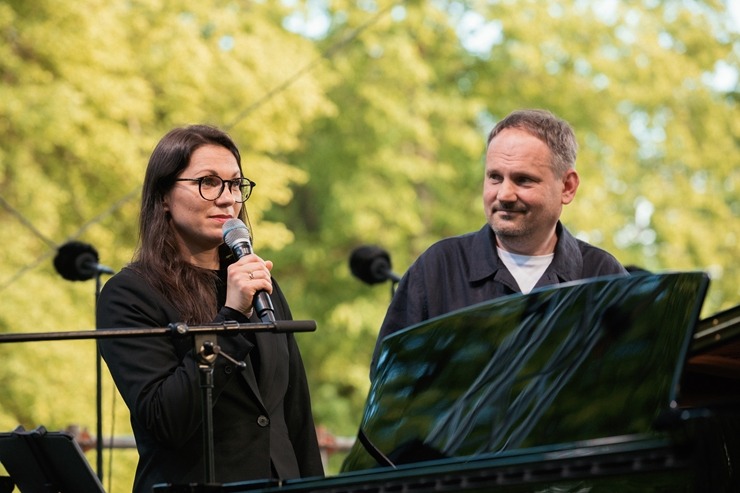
(588, 360)
(575, 388)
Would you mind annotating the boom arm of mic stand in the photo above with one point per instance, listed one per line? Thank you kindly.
(176, 329)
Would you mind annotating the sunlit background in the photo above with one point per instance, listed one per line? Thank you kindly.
(362, 123)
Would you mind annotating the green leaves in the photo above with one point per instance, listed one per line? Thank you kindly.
(370, 132)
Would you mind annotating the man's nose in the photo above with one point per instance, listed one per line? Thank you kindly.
(506, 191)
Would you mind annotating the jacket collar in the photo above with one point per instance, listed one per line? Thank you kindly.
(566, 265)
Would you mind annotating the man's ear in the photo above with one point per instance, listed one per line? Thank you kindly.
(570, 186)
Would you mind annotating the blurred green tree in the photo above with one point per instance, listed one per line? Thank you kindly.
(400, 163)
(362, 123)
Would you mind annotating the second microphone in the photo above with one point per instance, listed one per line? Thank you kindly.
(237, 237)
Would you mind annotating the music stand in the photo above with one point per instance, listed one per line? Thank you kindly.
(42, 461)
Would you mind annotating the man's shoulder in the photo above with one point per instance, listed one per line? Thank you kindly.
(462, 242)
(596, 260)
(467, 254)
(585, 259)
(587, 248)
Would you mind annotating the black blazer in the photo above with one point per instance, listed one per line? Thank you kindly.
(262, 421)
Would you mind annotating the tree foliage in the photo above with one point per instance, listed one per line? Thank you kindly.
(370, 130)
(88, 88)
(417, 98)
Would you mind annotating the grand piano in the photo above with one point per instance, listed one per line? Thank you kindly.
(607, 385)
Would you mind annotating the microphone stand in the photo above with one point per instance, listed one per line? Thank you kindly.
(205, 349)
(98, 390)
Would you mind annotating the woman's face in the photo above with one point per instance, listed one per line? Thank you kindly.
(196, 222)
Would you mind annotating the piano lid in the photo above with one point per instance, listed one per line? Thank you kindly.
(568, 363)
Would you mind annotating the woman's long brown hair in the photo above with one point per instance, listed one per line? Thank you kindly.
(191, 289)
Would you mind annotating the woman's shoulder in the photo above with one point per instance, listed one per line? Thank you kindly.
(130, 274)
(130, 281)
(128, 292)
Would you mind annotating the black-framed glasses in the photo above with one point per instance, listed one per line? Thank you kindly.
(211, 187)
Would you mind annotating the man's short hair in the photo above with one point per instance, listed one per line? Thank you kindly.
(556, 133)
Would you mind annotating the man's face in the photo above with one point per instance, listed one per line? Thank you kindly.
(522, 196)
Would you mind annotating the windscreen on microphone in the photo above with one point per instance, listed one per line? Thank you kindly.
(371, 264)
(76, 261)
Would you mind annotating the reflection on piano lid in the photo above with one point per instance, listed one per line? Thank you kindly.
(572, 388)
(578, 361)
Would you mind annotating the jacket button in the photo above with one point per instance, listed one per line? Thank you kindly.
(263, 421)
(228, 369)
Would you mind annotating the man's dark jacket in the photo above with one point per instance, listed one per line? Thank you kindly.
(465, 270)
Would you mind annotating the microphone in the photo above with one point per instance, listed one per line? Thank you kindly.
(77, 261)
(237, 237)
(371, 264)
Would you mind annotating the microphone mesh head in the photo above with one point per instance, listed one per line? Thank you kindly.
(235, 231)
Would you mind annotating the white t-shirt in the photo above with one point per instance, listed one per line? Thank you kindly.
(526, 269)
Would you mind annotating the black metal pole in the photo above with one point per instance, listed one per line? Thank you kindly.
(206, 385)
(204, 349)
(98, 392)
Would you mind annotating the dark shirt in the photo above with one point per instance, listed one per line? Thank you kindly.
(262, 421)
(465, 270)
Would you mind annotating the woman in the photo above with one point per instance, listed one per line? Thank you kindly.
(182, 272)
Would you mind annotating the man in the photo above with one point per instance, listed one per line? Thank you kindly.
(530, 175)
